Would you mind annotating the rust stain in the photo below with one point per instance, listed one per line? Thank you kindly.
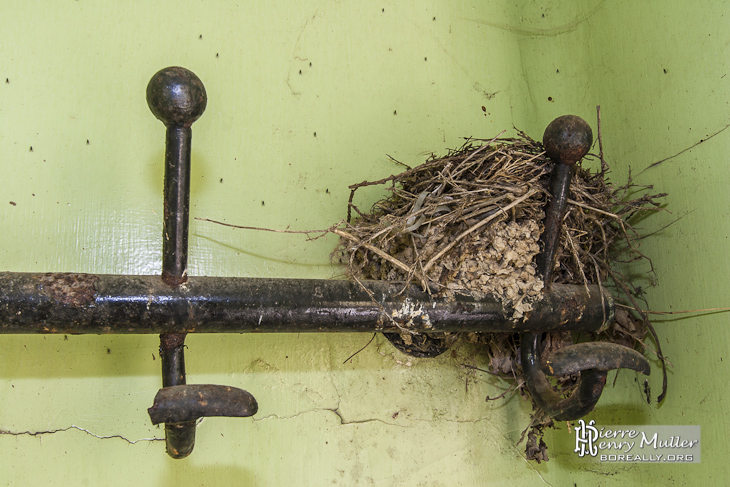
(174, 280)
(171, 341)
(74, 290)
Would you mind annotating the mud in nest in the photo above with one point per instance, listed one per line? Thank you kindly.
(470, 222)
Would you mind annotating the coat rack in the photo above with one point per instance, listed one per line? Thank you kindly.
(175, 304)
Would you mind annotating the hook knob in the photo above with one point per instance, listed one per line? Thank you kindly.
(567, 139)
(176, 96)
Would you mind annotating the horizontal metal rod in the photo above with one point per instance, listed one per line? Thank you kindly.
(97, 304)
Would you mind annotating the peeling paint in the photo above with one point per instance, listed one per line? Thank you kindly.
(411, 314)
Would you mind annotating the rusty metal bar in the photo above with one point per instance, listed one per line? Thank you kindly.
(179, 435)
(554, 214)
(90, 303)
(176, 97)
(176, 210)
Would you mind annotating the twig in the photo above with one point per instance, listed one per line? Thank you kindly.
(604, 164)
(512, 388)
(363, 348)
(242, 227)
(398, 162)
(485, 371)
(648, 311)
(372, 248)
(687, 149)
(648, 324)
(574, 251)
(582, 205)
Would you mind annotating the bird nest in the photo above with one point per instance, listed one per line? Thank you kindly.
(470, 222)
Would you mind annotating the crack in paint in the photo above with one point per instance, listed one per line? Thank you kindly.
(72, 427)
(345, 421)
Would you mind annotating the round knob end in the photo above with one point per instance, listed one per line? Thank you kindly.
(176, 96)
(567, 139)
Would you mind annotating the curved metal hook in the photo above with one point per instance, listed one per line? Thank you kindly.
(592, 360)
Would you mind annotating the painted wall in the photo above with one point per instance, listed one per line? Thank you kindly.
(306, 98)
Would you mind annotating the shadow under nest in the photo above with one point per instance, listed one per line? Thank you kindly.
(470, 222)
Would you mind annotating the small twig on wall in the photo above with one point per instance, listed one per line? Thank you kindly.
(604, 164)
(363, 348)
(687, 149)
(688, 311)
(305, 232)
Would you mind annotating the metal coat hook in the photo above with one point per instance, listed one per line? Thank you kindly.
(567, 140)
(177, 97)
(175, 304)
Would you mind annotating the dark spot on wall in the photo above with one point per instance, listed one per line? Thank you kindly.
(315, 134)
(550, 98)
(263, 203)
(395, 112)
(425, 59)
(87, 142)
(310, 64)
(300, 71)
(221, 181)
(31, 148)
(7, 81)
(665, 71)
(216, 54)
(201, 36)
(13, 203)
(108, 351)
(484, 109)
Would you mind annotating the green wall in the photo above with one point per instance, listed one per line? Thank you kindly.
(371, 79)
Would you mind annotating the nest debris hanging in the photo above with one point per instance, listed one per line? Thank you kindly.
(470, 222)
